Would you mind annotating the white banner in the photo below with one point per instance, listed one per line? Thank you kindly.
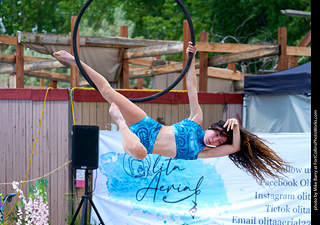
(160, 190)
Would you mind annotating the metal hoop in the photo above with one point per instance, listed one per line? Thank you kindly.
(83, 72)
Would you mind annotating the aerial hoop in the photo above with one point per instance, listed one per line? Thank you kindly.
(83, 72)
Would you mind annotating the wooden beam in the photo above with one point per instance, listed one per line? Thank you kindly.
(49, 75)
(208, 47)
(148, 61)
(59, 39)
(7, 58)
(74, 71)
(234, 48)
(8, 40)
(120, 42)
(298, 51)
(293, 60)
(158, 70)
(282, 41)
(203, 74)
(131, 67)
(227, 47)
(42, 39)
(222, 73)
(107, 42)
(12, 59)
(29, 66)
(165, 49)
(306, 40)
(241, 56)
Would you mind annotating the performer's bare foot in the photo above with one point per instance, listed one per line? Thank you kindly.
(65, 56)
(117, 115)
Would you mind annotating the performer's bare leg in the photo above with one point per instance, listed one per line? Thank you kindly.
(122, 109)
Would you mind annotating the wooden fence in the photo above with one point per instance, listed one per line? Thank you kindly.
(92, 109)
(142, 52)
(20, 111)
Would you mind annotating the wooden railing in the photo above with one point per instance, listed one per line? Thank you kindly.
(142, 52)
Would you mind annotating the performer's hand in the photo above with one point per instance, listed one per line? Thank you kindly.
(191, 48)
(65, 56)
(231, 123)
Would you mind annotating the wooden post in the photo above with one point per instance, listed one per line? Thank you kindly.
(42, 82)
(282, 41)
(139, 83)
(203, 70)
(74, 71)
(53, 83)
(19, 65)
(186, 39)
(124, 77)
(232, 66)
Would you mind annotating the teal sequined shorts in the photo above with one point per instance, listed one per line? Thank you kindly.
(147, 131)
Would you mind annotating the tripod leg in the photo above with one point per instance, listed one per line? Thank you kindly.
(84, 212)
(96, 211)
(76, 214)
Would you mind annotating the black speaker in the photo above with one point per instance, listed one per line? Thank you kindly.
(85, 147)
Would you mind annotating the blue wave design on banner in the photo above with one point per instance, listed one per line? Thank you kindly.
(158, 184)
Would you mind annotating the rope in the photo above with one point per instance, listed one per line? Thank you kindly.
(35, 179)
(71, 99)
(30, 160)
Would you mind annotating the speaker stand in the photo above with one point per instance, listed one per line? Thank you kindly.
(84, 201)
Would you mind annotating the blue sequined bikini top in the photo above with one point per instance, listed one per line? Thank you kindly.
(189, 139)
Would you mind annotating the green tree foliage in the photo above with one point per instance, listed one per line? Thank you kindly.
(161, 19)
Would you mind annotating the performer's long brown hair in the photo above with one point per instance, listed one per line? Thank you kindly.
(255, 156)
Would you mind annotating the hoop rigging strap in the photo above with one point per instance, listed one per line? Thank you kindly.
(148, 98)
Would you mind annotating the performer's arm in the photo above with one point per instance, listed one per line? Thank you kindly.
(191, 79)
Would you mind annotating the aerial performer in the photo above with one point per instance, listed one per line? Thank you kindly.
(185, 140)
